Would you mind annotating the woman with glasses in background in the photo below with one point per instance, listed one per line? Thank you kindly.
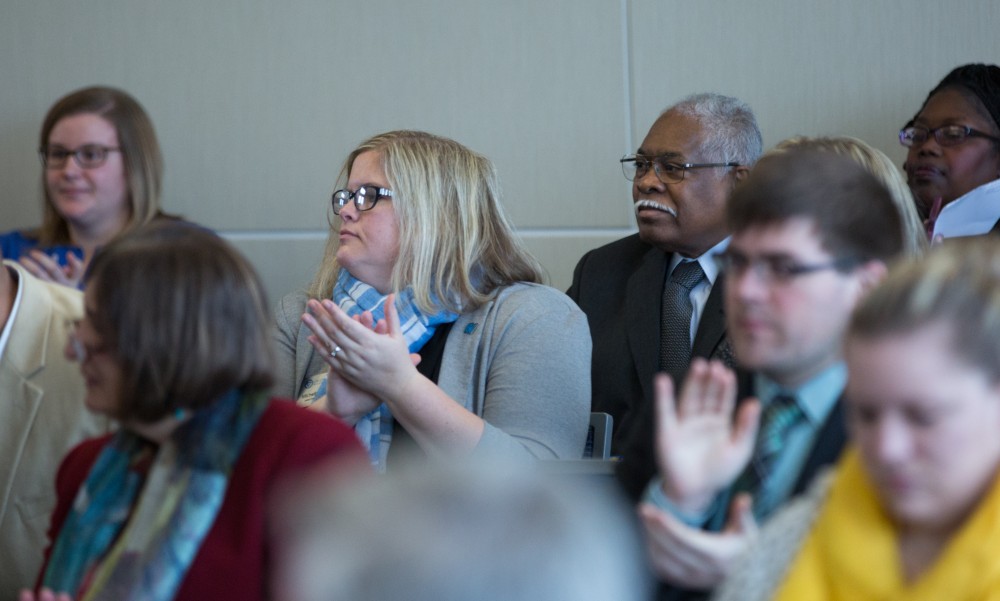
(175, 346)
(101, 175)
(423, 266)
(954, 139)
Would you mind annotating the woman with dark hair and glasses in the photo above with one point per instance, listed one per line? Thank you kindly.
(175, 345)
(422, 259)
(101, 174)
(954, 139)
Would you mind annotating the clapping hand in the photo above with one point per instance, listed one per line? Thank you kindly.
(44, 267)
(372, 357)
(344, 400)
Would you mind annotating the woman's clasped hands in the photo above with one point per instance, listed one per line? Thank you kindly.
(369, 361)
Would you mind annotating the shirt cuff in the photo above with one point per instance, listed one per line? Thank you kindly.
(654, 495)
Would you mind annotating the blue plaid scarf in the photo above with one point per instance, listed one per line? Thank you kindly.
(103, 553)
(355, 297)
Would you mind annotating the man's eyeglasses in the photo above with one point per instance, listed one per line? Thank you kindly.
(364, 198)
(636, 166)
(946, 135)
(88, 156)
(775, 269)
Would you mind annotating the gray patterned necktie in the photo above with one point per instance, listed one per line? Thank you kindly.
(675, 319)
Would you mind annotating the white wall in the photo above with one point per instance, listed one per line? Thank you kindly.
(258, 101)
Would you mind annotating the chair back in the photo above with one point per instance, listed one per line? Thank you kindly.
(598, 444)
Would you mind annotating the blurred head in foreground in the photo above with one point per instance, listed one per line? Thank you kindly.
(456, 532)
(924, 389)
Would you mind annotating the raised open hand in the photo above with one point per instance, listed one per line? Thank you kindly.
(700, 447)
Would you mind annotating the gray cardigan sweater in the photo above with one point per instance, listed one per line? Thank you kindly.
(521, 362)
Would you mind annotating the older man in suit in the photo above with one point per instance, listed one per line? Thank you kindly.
(41, 415)
(652, 299)
(812, 233)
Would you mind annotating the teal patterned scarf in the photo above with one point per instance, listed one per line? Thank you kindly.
(119, 543)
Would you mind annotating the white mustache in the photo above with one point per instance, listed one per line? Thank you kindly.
(652, 204)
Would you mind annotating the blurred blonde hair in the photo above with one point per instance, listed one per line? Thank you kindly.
(957, 284)
(456, 244)
(878, 164)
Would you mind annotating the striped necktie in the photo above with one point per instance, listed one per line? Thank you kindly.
(777, 421)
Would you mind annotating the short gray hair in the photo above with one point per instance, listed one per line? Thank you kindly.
(731, 132)
(451, 532)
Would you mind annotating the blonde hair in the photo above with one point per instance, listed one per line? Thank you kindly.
(878, 164)
(456, 244)
(139, 148)
(957, 284)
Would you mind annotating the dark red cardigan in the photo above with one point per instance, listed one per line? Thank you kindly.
(235, 558)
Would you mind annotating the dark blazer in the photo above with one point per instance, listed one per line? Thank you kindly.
(619, 287)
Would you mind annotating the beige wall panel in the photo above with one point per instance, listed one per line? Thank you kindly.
(289, 263)
(285, 264)
(854, 67)
(257, 102)
(559, 254)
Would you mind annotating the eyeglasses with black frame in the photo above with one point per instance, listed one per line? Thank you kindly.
(775, 269)
(946, 135)
(669, 172)
(88, 156)
(365, 198)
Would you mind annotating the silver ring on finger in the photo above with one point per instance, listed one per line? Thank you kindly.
(336, 349)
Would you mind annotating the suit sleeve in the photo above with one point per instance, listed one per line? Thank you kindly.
(574, 288)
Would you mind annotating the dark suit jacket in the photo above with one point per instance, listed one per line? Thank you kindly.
(619, 286)
(825, 451)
